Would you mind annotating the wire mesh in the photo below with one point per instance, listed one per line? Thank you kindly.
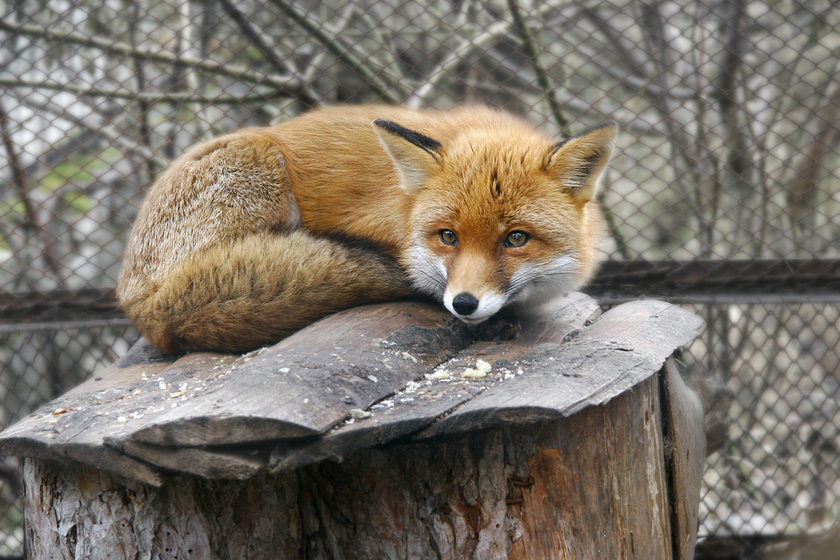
(728, 150)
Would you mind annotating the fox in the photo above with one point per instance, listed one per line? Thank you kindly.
(249, 237)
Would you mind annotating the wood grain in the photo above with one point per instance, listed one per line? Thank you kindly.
(685, 457)
(598, 482)
(625, 346)
(567, 489)
(300, 387)
(289, 405)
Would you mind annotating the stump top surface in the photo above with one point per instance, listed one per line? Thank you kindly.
(364, 377)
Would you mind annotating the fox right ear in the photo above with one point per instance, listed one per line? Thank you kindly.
(579, 161)
(414, 155)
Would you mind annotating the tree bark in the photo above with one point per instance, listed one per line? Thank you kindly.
(593, 485)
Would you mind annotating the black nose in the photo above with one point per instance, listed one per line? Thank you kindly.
(465, 304)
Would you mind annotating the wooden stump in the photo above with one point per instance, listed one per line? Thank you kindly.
(360, 437)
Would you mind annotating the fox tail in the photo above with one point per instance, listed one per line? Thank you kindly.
(257, 290)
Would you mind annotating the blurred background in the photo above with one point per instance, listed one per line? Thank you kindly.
(724, 195)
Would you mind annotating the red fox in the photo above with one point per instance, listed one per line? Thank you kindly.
(249, 237)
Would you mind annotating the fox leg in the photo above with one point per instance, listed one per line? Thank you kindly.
(260, 288)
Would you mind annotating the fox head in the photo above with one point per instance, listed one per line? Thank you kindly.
(501, 214)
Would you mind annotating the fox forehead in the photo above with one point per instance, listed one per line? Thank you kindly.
(493, 166)
(488, 195)
(510, 151)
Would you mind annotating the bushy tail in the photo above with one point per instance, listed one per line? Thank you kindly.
(258, 290)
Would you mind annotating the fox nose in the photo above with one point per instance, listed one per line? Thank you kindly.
(465, 304)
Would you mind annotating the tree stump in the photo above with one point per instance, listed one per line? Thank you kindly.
(384, 431)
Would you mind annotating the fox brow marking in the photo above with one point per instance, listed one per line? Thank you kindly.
(497, 187)
(419, 140)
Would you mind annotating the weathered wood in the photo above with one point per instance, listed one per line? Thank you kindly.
(310, 381)
(76, 425)
(200, 413)
(594, 500)
(570, 488)
(622, 348)
(684, 457)
(414, 407)
(417, 407)
(382, 432)
(302, 386)
(195, 414)
(73, 426)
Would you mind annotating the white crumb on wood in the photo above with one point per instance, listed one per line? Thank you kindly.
(411, 387)
(481, 370)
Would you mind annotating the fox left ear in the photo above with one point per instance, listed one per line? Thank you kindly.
(415, 155)
(579, 161)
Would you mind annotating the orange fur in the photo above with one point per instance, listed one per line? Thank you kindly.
(251, 236)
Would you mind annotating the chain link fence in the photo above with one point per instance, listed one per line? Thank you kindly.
(724, 195)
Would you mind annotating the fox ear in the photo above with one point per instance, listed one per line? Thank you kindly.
(416, 156)
(579, 161)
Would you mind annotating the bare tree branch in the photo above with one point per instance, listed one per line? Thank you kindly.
(142, 83)
(290, 85)
(802, 193)
(544, 80)
(627, 64)
(308, 96)
(726, 86)
(105, 130)
(685, 165)
(31, 217)
(459, 53)
(338, 49)
(182, 98)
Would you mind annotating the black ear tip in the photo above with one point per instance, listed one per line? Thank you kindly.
(387, 126)
(420, 140)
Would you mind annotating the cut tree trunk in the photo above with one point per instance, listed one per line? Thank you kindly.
(378, 433)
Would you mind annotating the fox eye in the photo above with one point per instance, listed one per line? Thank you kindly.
(448, 236)
(516, 239)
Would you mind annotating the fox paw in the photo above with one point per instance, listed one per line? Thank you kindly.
(504, 325)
